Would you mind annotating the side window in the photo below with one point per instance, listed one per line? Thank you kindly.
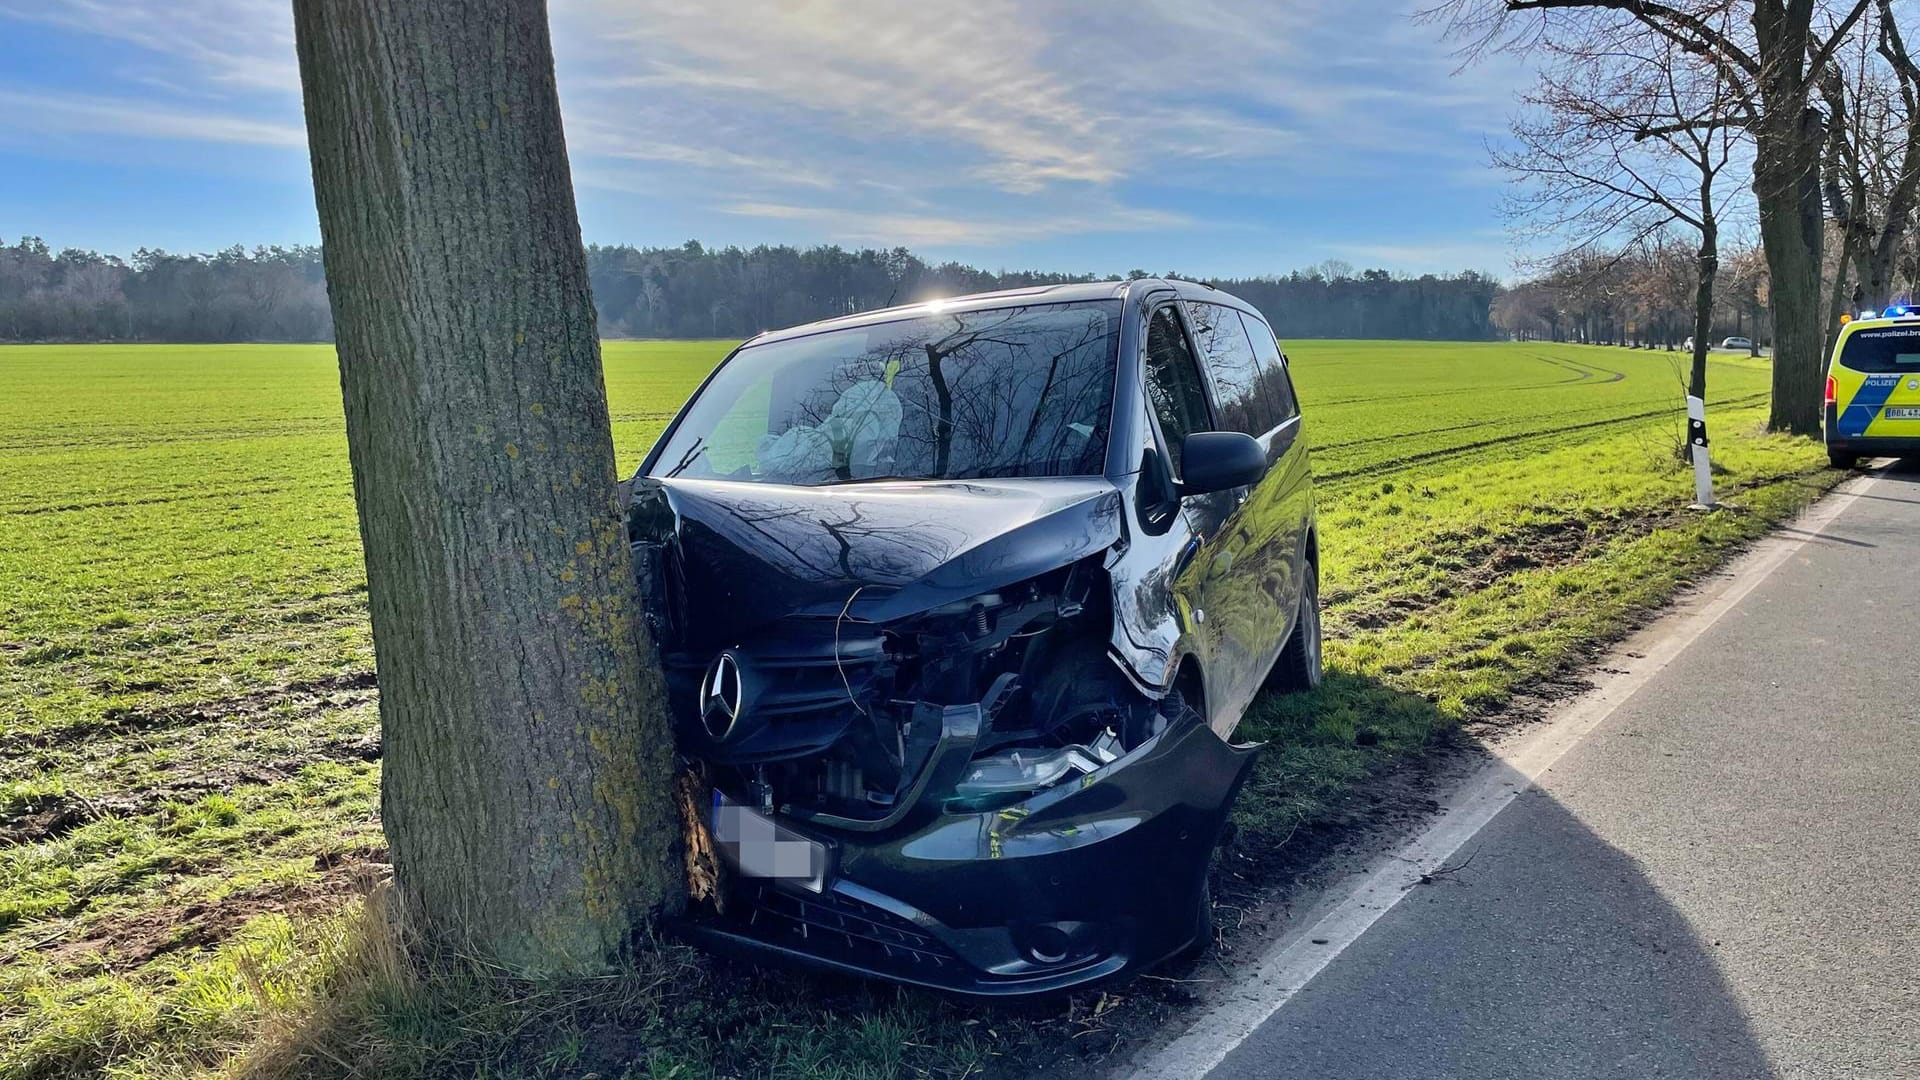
(1221, 338)
(1276, 387)
(1173, 383)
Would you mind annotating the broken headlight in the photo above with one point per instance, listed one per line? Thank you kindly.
(1015, 771)
(991, 780)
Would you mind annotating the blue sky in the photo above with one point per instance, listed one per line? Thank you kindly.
(1210, 137)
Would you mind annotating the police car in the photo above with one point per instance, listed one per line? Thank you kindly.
(1873, 388)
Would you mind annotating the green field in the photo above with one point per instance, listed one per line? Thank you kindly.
(189, 746)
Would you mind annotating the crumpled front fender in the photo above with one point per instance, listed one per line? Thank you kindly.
(1110, 868)
(1121, 853)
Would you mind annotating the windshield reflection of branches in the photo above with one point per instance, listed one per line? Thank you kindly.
(998, 393)
(848, 545)
(1016, 393)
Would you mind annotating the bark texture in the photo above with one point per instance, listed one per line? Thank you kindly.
(1708, 266)
(1791, 227)
(1786, 185)
(526, 778)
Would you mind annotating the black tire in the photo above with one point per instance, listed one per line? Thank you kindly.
(1298, 668)
(1842, 461)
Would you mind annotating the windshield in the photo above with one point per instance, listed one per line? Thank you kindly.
(1893, 348)
(1021, 391)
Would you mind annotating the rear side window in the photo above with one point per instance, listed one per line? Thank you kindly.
(1895, 348)
(1236, 370)
(1173, 383)
(1276, 387)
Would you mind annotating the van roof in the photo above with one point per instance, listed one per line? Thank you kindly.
(1044, 294)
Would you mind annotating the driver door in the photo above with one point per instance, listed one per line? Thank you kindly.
(1216, 557)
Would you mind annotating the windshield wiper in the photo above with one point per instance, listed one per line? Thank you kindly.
(876, 480)
(699, 447)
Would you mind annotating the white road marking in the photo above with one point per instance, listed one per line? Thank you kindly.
(1346, 912)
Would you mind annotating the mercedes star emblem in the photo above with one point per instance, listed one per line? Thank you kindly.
(720, 694)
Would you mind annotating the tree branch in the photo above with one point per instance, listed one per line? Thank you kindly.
(1652, 15)
(1824, 53)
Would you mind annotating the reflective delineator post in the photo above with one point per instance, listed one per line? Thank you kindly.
(1697, 441)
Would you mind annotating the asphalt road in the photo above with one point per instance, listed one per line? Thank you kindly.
(1721, 880)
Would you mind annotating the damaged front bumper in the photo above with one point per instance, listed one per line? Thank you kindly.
(1099, 875)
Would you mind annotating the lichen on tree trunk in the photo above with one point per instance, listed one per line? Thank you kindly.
(526, 774)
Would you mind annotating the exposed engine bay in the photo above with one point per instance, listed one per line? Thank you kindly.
(835, 716)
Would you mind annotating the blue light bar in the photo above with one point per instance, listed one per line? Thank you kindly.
(1898, 311)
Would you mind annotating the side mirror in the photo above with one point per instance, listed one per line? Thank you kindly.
(1218, 460)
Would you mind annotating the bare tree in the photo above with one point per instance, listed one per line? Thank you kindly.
(1661, 279)
(1528, 311)
(1626, 138)
(1746, 289)
(1871, 174)
(527, 758)
(1772, 64)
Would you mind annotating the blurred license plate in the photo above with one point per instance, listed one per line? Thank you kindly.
(1903, 414)
(758, 846)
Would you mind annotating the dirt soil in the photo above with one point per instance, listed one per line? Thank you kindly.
(306, 698)
(121, 944)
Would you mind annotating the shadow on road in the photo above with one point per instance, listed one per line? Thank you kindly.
(1541, 951)
(1826, 537)
(1546, 954)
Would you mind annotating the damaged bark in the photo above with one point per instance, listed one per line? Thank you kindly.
(706, 873)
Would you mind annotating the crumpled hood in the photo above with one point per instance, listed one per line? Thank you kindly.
(751, 553)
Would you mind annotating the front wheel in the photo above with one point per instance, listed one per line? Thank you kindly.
(1840, 460)
(1298, 667)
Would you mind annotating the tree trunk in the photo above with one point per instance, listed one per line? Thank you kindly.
(1709, 267)
(526, 755)
(1786, 185)
(1877, 280)
(1837, 298)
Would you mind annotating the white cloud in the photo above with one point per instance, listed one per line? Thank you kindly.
(229, 46)
(124, 117)
(865, 227)
(592, 136)
(1031, 100)
(1492, 255)
(942, 122)
(972, 75)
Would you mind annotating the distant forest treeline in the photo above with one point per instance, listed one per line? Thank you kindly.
(279, 294)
